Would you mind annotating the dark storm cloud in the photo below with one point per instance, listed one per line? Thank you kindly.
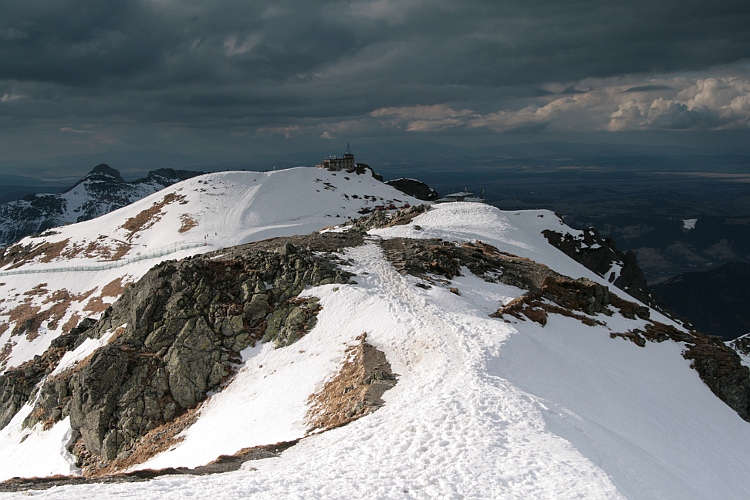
(233, 64)
(472, 42)
(83, 43)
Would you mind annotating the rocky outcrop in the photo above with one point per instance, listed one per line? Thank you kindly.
(18, 384)
(384, 218)
(741, 344)
(224, 463)
(177, 334)
(581, 299)
(415, 188)
(602, 256)
(363, 168)
(437, 262)
(433, 259)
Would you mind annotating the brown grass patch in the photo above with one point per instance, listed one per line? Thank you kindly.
(97, 249)
(147, 218)
(539, 311)
(485, 248)
(632, 336)
(120, 251)
(71, 323)
(355, 391)
(96, 305)
(629, 309)
(578, 299)
(29, 318)
(39, 289)
(19, 255)
(658, 332)
(188, 223)
(114, 288)
(117, 333)
(39, 416)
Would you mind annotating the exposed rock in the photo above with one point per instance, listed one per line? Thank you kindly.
(363, 168)
(224, 463)
(568, 297)
(741, 344)
(599, 255)
(186, 323)
(415, 188)
(17, 384)
(383, 218)
(431, 259)
(551, 293)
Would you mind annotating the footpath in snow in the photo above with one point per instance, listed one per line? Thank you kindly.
(483, 408)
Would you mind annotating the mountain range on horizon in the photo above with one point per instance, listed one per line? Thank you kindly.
(322, 334)
(99, 192)
(392, 154)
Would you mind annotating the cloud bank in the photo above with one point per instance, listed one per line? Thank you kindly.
(234, 74)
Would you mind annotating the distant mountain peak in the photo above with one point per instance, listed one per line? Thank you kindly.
(100, 191)
(105, 169)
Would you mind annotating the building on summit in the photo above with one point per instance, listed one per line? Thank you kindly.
(335, 164)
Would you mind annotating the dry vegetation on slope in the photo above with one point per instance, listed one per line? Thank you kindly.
(150, 216)
(355, 391)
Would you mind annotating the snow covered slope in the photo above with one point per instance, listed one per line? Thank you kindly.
(49, 283)
(498, 395)
(100, 191)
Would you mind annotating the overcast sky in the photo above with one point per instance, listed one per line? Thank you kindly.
(83, 76)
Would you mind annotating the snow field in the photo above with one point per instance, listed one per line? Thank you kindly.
(35, 452)
(230, 208)
(483, 408)
(642, 414)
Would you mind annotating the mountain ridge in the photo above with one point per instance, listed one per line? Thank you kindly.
(518, 371)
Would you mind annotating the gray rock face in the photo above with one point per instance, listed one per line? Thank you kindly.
(598, 254)
(415, 188)
(178, 335)
(17, 384)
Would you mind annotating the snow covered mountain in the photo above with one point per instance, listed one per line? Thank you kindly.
(99, 192)
(445, 351)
